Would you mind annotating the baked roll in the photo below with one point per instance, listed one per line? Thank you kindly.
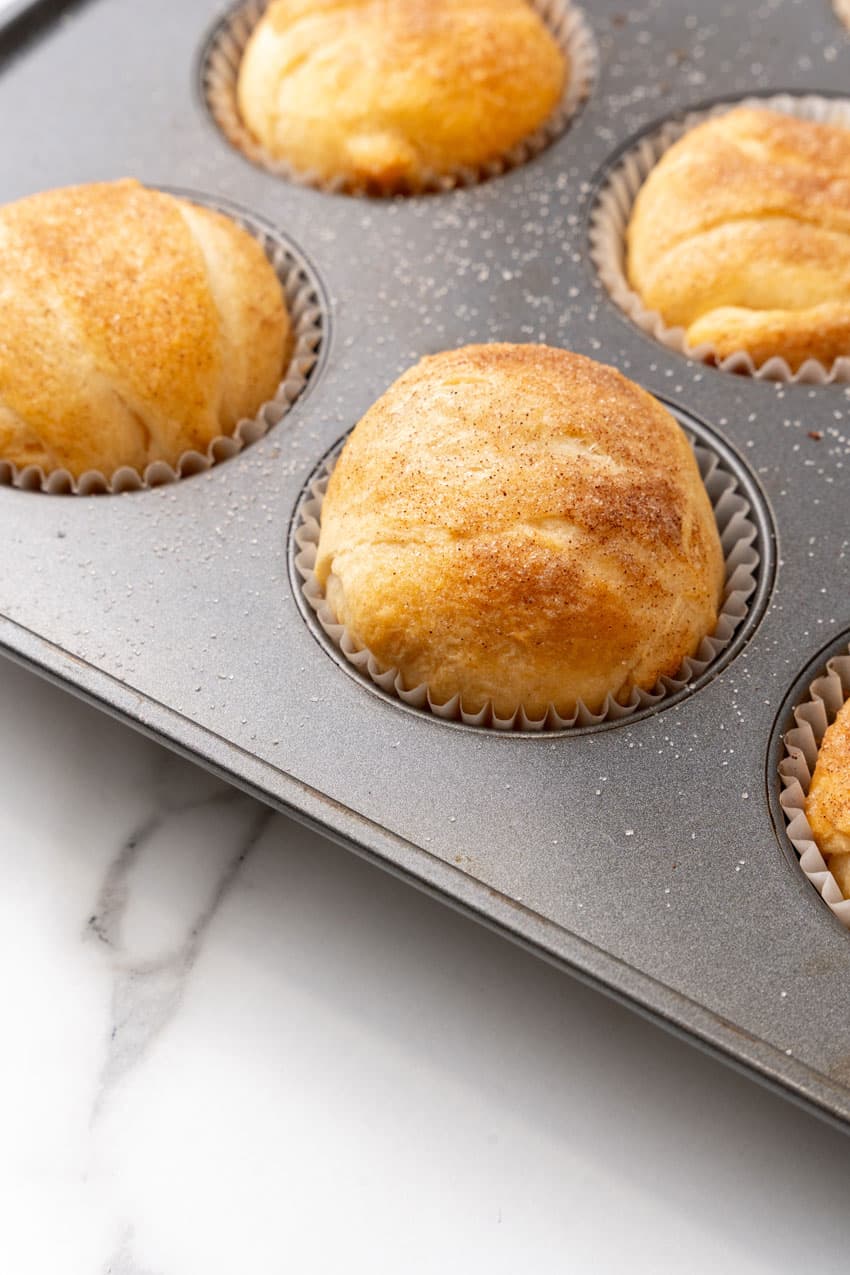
(386, 93)
(522, 526)
(136, 326)
(741, 235)
(828, 802)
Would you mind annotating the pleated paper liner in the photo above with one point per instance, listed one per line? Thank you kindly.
(302, 293)
(801, 744)
(738, 536)
(220, 70)
(610, 218)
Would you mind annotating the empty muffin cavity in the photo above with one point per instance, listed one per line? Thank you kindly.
(219, 72)
(746, 555)
(612, 211)
(303, 297)
(800, 745)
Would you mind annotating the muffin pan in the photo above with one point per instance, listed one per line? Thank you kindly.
(645, 858)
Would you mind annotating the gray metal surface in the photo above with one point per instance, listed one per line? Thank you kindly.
(643, 857)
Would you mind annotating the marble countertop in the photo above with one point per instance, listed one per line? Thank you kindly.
(230, 1046)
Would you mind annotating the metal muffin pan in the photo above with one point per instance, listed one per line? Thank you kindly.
(643, 858)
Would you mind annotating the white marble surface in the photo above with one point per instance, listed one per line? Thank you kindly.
(229, 1046)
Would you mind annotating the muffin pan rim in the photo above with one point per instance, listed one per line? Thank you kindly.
(541, 139)
(600, 180)
(760, 514)
(126, 480)
(796, 696)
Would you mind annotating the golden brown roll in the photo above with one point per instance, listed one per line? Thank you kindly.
(384, 93)
(741, 235)
(828, 802)
(524, 526)
(135, 326)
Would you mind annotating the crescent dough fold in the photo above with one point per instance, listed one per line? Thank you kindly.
(135, 326)
(741, 235)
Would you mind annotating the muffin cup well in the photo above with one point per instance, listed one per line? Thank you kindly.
(738, 537)
(302, 293)
(801, 744)
(220, 71)
(612, 211)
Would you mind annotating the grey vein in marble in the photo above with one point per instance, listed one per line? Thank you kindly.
(148, 985)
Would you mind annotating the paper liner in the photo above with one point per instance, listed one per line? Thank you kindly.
(301, 292)
(826, 694)
(610, 218)
(738, 535)
(220, 70)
